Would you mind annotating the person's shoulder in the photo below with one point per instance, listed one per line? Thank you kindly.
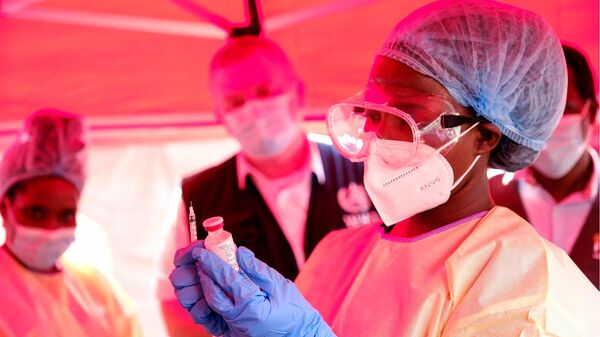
(339, 249)
(212, 175)
(83, 272)
(86, 279)
(502, 239)
(348, 236)
(11, 269)
(505, 225)
(98, 285)
(504, 260)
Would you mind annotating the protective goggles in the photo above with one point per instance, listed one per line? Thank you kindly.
(360, 128)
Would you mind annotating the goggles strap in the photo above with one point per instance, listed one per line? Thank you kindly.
(457, 138)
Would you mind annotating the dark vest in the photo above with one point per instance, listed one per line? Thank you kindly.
(215, 192)
(585, 250)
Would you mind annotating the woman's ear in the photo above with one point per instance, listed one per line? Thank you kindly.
(488, 138)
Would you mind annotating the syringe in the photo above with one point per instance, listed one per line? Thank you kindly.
(192, 221)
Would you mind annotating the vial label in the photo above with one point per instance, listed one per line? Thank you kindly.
(227, 252)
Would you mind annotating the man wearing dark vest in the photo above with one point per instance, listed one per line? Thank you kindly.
(281, 193)
(558, 194)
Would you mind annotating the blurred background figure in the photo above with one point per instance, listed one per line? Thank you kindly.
(282, 192)
(558, 194)
(43, 292)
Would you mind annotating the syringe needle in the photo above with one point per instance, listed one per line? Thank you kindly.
(192, 222)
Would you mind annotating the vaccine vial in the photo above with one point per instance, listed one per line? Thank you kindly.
(220, 241)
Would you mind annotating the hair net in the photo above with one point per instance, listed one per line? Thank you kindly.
(504, 62)
(51, 143)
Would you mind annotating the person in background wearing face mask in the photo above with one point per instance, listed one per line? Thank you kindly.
(282, 193)
(558, 194)
(41, 177)
(458, 86)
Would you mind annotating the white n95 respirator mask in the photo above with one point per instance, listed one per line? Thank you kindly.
(264, 127)
(39, 248)
(423, 183)
(563, 149)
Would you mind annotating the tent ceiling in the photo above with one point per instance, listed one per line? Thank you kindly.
(115, 59)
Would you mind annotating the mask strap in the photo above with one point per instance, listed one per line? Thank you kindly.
(474, 161)
(10, 221)
(586, 112)
(466, 172)
(457, 138)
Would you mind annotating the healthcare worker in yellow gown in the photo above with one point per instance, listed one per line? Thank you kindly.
(459, 86)
(41, 177)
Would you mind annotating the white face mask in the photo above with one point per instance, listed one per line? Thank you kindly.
(425, 182)
(563, 149)
(38, 248)
(264, 127)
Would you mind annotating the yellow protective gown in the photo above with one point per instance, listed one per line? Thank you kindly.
(77, 302)
(490, 275)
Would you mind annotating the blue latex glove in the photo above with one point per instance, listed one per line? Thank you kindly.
(257, 301)
(188, 290)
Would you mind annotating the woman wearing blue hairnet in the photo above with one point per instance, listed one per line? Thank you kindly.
(459, 86)
(44, 294)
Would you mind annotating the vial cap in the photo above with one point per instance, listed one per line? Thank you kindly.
(212, 224)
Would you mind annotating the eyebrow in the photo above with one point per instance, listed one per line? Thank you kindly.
(33, 205)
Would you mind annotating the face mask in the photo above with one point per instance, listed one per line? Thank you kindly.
(425, 182)
(264, 127)
(39, 248)
(563, 149)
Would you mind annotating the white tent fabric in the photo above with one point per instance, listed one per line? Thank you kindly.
(137, 70)
(116, 58)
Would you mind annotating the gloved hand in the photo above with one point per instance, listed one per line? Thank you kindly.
(257, 301)
(188, 290)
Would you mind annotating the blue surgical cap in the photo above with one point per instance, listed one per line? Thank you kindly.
(51, 143)
(504, 62)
